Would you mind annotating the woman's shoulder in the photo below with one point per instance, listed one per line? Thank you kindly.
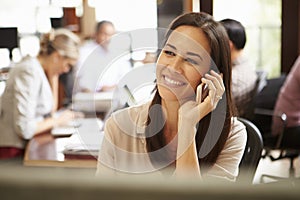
(27, 65)
(236, 123)
(27, 69)
(131, 119)
(238, 129)
(132, 112)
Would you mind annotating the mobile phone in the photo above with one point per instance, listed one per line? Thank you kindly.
(204, 92)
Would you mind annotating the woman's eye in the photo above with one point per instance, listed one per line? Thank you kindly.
(191, 61)
(170, 53)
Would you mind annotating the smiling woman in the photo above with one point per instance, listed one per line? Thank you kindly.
(181, 132)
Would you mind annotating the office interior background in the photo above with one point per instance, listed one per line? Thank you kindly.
(272, 25)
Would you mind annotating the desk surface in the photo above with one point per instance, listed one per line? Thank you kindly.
(48, 151)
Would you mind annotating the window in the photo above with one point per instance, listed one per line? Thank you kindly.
(262, 20)
(128, 15)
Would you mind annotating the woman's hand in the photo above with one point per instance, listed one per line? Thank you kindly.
(194, 111)
(66, 117)
(190, 113)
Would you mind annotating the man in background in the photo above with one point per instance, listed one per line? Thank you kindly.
(243, 71)
(97, 70)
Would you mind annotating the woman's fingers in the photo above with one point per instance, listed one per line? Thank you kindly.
(216, 79)
(219, 77)
(204, 103)
(216, 87)
(218, 82)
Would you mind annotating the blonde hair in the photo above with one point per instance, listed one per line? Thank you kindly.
(63, 41)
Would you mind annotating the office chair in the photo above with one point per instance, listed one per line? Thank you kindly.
(288, 143)
(264, 104)
(252, 153)
(246, 107)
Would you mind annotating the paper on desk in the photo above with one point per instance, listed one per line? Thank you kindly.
(90, 102)
(88, 138)
(63, 131)
(81, 148)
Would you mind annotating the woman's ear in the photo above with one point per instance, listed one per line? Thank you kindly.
(231, 45)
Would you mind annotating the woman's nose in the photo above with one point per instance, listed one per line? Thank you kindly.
(176, 64)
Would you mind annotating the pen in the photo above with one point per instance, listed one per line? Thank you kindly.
(130, 94)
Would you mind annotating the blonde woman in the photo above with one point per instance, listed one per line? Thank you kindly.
(31, 94)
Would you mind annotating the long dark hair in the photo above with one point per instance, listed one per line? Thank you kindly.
(220, 55)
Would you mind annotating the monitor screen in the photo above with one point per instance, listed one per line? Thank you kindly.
(57, 22)
(9, 38)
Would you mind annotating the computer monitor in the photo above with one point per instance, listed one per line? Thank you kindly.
(9, 38)
(57, 22)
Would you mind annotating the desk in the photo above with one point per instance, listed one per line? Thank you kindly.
(48, 151)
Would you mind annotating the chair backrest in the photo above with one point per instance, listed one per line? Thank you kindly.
(252, 153)
(266, 100)
(246, 109)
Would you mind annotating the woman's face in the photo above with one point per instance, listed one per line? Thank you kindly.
(67, 64)
(182, 63)
(64, 64)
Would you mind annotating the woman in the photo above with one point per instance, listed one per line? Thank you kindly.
(31, 95)
(186, 130)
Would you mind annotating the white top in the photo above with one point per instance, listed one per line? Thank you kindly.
(97, 68)
(124, 147)
(27, 98)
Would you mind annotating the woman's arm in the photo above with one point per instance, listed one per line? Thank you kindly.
(26, 118)
(190, 113)
(26, 94)
(187, 164)
(49, 123)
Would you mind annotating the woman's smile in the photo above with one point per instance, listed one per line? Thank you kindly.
(171, 82)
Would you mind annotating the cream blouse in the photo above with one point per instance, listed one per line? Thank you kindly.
(123, 150)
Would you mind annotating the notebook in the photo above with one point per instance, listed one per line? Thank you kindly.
(87, 139)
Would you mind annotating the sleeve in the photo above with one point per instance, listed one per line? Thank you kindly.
(26, 89)
(227, 164)
(106, 157)
(297, 70)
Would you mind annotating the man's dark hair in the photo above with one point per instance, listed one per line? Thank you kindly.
(236, 32)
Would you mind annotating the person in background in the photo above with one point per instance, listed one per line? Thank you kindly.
(243, 71)
(94, 56)
(288, 100)
(168, 136)
(30, 99)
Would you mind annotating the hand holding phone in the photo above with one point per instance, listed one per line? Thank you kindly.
(202, 92)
